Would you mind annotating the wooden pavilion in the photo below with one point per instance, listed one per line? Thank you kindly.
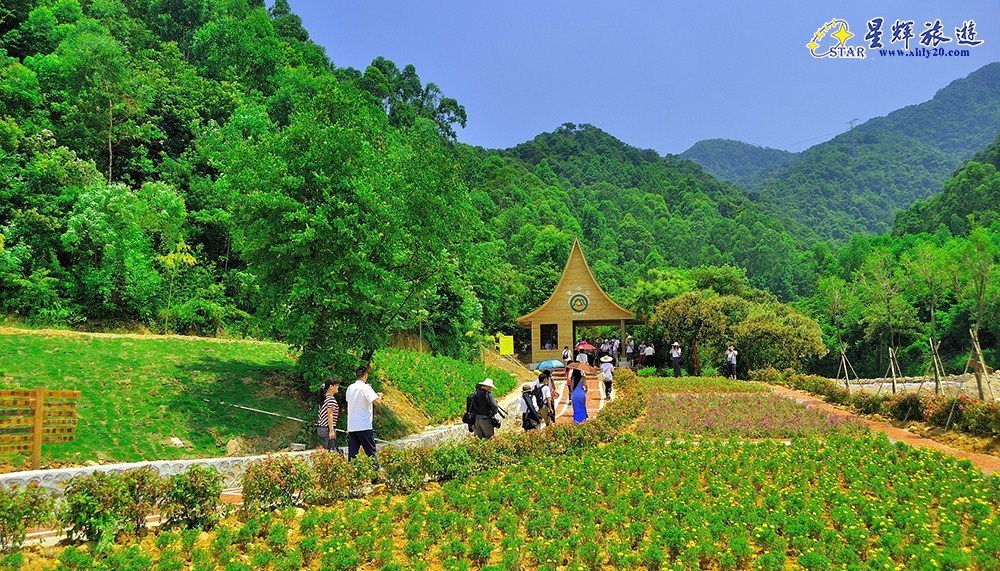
(578, 300)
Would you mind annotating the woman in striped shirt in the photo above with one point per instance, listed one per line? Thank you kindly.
(326, 424)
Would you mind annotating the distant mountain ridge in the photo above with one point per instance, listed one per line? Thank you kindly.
(860, 179)
(738, 162)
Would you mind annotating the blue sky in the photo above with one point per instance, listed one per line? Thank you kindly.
(655, 74)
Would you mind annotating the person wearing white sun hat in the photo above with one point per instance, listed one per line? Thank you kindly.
(484, 409)
(607, 374)
(675, 356)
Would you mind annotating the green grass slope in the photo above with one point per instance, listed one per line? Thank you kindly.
(139, 391)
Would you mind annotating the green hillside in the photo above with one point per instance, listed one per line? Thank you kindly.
(974, 192)
(137, 393)
(860, 179)
(633, 210)
(737, 162)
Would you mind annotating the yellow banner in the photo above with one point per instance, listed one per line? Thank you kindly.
(506, 344)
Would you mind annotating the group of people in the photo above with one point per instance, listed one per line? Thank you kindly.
(641, 355)
(537, 404)
(360, 398)
(536, 407)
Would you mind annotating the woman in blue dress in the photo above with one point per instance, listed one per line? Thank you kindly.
(578, 392)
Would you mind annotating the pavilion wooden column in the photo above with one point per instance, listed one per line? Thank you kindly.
(621, 348)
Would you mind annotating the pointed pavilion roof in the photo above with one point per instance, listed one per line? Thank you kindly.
(578, 295)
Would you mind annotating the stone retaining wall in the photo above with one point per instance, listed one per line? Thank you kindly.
(231, 468)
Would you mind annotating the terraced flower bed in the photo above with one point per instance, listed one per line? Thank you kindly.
(836, 503)
(705, 385)
(738, 416)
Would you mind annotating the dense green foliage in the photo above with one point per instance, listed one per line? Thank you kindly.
(860, 179)
(633, 210)
(973, 192)
(901, 290)
(204, 168)
(738, 162)
(707, 309)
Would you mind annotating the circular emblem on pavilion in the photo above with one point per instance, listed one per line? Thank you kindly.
(579, 303)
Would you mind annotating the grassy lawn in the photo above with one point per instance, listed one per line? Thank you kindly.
(138, 392)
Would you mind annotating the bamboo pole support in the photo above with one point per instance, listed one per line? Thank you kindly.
(36, 437)
(934, 366)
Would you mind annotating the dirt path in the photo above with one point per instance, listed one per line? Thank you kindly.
(986, 463)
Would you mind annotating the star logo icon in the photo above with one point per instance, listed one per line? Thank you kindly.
(842, 34)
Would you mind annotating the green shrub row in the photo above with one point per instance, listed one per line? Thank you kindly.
(105, 504)
(325, 477)
(102, 506)
(958, 412)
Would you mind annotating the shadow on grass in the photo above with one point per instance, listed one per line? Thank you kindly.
(206, 403)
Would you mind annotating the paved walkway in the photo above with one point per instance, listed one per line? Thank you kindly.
(595, 398)
(985, 462)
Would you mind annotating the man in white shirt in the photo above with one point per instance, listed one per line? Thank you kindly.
(546, 410)
(581, 357)
(360, 400)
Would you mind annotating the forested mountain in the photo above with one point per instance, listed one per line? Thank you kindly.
(971, 197)
(859, 180)
(203, 167)
(635, 210)
(738, 162)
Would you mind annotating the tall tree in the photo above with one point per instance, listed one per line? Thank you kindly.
(347, 223)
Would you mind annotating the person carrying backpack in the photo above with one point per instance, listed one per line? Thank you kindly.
(530, 419)
(482, 409)
(542, 391)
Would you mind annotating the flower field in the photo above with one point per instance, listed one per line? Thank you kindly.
(841, 503)
(589, 497)
(737, 416)
(705, 385)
